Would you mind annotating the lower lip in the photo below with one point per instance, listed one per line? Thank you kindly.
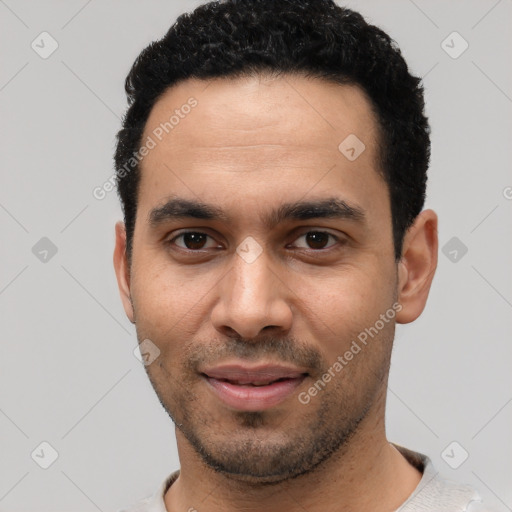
(253, 398)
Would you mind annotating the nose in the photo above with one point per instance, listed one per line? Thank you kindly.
(252, 299)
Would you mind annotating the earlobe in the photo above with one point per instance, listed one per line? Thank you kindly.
(417, 266)
(123, 271)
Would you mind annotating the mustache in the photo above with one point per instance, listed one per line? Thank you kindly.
(278, 350)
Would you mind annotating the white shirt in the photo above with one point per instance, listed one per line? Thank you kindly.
(433, 493)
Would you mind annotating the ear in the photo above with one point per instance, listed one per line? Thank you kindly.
(123, 270)
(417, 266)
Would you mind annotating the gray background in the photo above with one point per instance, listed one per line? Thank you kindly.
(68, 375)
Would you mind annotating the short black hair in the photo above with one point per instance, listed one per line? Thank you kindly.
(314, 38)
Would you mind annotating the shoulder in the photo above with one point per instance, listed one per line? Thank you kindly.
(436, 493)
(154, 503)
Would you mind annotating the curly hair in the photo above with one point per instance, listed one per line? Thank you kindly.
(314, 38)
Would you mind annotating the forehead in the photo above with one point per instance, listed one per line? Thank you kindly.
(259, 135)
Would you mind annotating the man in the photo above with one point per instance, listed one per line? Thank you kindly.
(272, 172)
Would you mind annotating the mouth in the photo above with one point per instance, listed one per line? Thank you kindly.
(245, 388)
(252, 383)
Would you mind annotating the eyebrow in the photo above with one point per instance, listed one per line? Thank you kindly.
(329, 208)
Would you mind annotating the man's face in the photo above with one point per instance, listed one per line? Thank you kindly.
(261, 282)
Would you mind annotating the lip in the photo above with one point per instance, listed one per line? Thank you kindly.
(255, 388)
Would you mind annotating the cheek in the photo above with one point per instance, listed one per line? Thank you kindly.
(343, 307)
(169, 304)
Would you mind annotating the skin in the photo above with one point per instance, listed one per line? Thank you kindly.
(249, 146)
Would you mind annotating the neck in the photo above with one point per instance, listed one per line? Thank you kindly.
(368, 473)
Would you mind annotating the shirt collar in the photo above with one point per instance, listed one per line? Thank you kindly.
(431, 489)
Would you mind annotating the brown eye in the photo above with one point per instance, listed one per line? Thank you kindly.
(192, 240)
(316, 240)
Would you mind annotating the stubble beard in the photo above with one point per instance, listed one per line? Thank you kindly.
(261, 449)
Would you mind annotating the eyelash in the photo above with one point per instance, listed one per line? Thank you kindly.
(173, 240)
